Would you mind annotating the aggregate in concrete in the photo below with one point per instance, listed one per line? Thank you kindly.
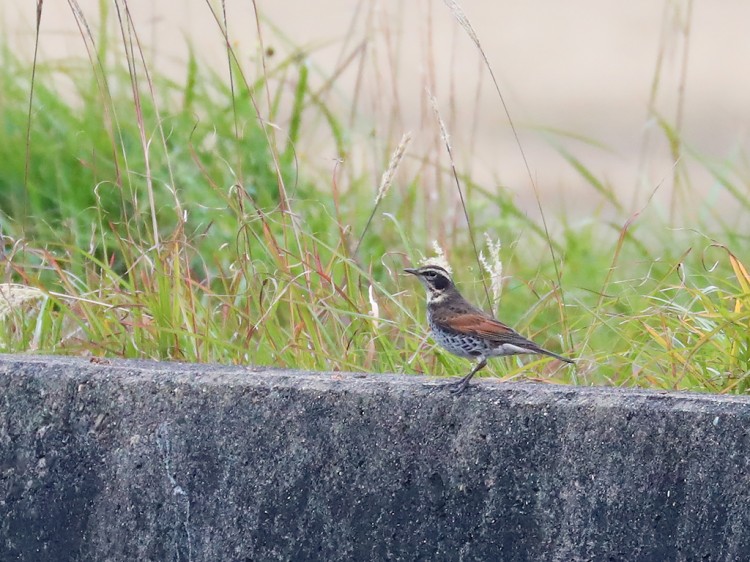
(129, 460)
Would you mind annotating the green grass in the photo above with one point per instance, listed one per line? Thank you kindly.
(162, 219)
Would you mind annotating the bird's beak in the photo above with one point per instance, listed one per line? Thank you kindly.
(410, 270)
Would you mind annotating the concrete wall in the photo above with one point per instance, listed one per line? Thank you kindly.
(150, 461)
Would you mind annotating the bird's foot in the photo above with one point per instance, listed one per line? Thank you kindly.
(457, 387)
(454, 387)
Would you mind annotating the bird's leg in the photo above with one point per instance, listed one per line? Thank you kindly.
(460, 386)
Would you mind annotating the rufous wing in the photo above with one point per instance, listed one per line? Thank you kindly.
(481, 325)
(478, 325)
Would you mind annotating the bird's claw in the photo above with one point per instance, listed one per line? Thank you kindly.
(454, 387)
(457, 387)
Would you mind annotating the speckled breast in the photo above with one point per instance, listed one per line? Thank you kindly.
(458, 344)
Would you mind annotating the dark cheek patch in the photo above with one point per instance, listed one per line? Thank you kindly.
(440, 282)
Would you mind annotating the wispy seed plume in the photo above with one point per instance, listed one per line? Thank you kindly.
(387, 180)
(493, 265)
(438, 259)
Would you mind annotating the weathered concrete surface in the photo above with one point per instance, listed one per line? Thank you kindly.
(147, 461)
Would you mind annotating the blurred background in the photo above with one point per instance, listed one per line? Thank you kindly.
(607, 85)
(194, 180)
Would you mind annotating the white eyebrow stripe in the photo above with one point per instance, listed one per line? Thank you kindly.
(437, 270)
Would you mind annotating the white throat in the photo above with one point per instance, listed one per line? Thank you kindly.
(434, 297)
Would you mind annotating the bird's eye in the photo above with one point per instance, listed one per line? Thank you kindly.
(430, 274)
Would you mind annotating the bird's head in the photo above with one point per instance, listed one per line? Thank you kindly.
(435, 279)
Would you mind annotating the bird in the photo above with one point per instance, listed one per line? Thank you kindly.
(465, 330)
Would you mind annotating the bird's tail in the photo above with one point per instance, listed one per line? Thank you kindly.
(555, 355)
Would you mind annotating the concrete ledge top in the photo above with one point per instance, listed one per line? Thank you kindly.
(142, 371)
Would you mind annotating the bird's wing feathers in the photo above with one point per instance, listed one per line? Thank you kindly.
(482, 325)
